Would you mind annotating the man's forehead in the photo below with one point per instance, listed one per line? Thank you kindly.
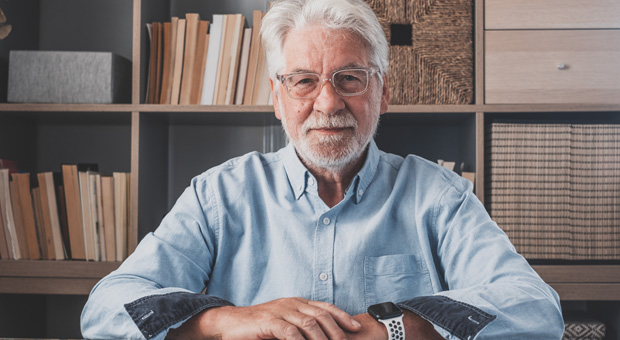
(318, 49)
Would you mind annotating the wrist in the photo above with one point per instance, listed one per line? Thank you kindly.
(388, 314)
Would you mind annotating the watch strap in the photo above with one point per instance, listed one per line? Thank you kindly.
(395, 328)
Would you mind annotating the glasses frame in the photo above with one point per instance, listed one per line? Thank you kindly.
(370, 71)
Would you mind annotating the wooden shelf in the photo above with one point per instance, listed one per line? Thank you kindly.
(52, 277)
(582, 282)
(499, 108)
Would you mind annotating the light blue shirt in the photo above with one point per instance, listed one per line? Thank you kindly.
(254, 229)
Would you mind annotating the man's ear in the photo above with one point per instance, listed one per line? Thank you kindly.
(385, 95)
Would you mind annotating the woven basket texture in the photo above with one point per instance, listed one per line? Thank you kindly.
(437, 68)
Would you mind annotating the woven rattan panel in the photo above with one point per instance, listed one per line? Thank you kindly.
(437, 67)
(555, 188)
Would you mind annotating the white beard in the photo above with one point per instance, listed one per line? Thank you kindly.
(334, 152)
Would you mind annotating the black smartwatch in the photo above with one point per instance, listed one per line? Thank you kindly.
(391, 316)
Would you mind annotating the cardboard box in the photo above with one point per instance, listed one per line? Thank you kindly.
(68, 77)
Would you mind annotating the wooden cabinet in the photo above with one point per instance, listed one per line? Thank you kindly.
(552, 66)
(551, 52)
(163, 146)
(551, 14)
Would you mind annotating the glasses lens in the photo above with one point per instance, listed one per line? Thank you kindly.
(302, 85)
(351, 81)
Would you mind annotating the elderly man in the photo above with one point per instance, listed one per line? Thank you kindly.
(328, 238)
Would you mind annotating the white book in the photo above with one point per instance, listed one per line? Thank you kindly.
(215, 37)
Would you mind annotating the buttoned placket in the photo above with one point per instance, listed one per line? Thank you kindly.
(323, 288)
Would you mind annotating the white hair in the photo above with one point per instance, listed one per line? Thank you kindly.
(352, 15)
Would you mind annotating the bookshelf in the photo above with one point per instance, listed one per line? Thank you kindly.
(163, 146)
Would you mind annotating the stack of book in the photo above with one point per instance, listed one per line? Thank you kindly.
(77, 214)
(218, 62)
(555, 188)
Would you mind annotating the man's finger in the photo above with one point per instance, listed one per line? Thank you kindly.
(342, 318)
(283, 330)
(310, 325)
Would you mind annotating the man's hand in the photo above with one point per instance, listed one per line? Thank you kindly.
(289, 318)
(415, 328)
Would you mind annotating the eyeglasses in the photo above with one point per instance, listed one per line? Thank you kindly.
(348, 82)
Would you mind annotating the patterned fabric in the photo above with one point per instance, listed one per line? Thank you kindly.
(583, 327)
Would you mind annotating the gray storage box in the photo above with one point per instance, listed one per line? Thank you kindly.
(68, 77)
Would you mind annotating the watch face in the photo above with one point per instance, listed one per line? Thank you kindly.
(386, 310)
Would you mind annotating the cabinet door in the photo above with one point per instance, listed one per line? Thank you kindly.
(536, 14)
(576, 66)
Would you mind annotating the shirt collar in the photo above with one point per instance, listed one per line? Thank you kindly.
(299, 175)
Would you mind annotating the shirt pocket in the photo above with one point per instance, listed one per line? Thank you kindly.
(395, 278)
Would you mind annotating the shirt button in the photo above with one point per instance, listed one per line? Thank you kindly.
(326, 221)
(310, 181)
(360, 192)
(323, 276)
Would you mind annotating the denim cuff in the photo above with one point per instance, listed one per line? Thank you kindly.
(460, 319)
(156, 313)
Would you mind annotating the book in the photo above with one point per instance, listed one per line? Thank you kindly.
(221, 77)
(6, 207)
(150, 81)
(19, 220)
(159, 61)
(107, 201)
(38, 216)
(62, 214)
(243, 65)
(166, 90)
(49, 208)
(235, 51)
(22, 181)
(200, 62)
(213, 54)
(121, 193)
(189, 56)
(262, 89)
(88, 223)
(255, 48)
(177, 69)
(4, 248)
(94, 182)
(74, 211)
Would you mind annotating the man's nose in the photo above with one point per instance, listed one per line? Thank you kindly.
(328, 101)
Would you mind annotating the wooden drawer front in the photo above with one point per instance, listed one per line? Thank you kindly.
(538, 14)
(525, 67)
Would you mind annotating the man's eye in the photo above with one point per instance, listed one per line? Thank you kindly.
(303, 81)
(349, 77)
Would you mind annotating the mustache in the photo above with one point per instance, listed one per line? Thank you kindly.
(338, 121)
